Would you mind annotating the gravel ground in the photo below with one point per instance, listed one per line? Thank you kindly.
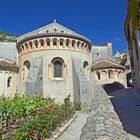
(74, 130)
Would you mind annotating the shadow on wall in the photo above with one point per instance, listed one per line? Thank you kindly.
(112, 87)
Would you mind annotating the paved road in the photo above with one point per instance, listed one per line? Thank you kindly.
(74, 130)
(127, 105)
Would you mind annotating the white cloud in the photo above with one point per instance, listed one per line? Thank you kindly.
(118, 39)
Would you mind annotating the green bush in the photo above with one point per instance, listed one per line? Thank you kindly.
(33, 118)
(77, 106)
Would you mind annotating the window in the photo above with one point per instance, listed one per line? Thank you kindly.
(103, 75)
(67, 42)
(9, 81)
(97, 55)
(61, 42)
(54, 43)
(58, 64)
(57, 69)
(110, 74)
(42, 42)
(26, 46)
(48, 42)
(78, 43)
(98, 75)
(26, 67)
(22, 47)
(73, 43)
(36, 44)
(30, 43)
(85, 64)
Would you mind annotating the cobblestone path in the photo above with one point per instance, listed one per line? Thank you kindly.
(74, 130)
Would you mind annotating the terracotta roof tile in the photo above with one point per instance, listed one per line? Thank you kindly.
(104, 64)
(8, 66)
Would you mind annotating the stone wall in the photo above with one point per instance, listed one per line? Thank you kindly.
(5, 90)
(8, 50)
(83, 84)
(101, 52)
(34, 84)
(103, 123)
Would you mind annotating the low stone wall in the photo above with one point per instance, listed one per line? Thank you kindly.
(103, 123)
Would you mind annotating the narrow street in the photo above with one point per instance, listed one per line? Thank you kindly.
(127, 105)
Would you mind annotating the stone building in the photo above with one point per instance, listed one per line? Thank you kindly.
(132, 32)
(56, 61)
(8, 77)
(108, 72)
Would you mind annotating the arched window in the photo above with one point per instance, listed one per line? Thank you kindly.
(26, 67)
(116, 74)
(85, 64)
(57, 69)
(58, 64)
(36, 44)
(61, 42)
(48, 42)
(26, 46)
(78, 43)
(98, 74)
(31, 45)
(54, 42)
(73, 43)
(67, 42)
(103, 75)
(22, 47)
(82, 45)
(9, 81)
(110, 74)
(42, 42)
(121, 74)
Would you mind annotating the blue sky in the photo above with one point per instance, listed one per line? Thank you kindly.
(99, 20)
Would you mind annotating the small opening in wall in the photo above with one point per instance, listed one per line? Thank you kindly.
(98, 75)
(42, 43)
(30, 44)
(58, 64)
(61, 42)
(48, 42)
(54, 43)
(67, 42)
(110, 74)
(36, 44)
(73, 43)
(9, 81)
(85, 64)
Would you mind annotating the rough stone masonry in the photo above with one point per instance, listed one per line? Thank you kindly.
(103, 123)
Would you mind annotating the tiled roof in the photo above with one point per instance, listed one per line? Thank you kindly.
(6, 64)
(104, 64)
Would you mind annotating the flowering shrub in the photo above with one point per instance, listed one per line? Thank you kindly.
(32, 118)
